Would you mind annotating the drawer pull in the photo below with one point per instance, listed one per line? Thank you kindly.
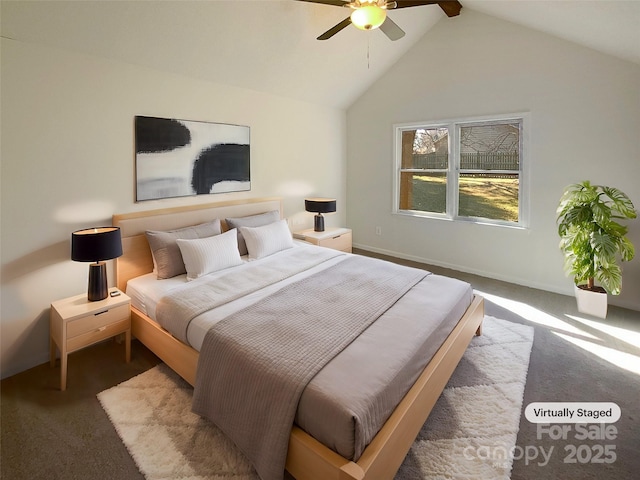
(100, 313)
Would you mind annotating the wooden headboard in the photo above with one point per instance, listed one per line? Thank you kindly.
(136, 257)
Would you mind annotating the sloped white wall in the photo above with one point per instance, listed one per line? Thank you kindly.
(68, 163)
(584, 109)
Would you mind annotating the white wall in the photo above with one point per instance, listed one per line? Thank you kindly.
(68, 163)
(584, 109)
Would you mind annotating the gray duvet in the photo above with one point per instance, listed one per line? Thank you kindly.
(347, 401)
(255, 364)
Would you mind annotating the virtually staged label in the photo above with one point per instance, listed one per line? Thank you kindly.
(572, 412)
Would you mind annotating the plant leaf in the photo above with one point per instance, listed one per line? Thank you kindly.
(627, 250)
(622, 203)
(604, 244)
(601, 213)
(610, 277)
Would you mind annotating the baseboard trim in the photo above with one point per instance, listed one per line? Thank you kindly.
(462, 268)
(568, 291)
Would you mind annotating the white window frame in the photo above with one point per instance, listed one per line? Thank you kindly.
(453, 171)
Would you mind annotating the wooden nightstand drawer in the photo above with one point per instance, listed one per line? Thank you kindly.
(97, 334)
(339, 242)
(99, 319)
(336, 238)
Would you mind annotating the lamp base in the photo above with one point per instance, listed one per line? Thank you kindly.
(318, 223)
(97, 282)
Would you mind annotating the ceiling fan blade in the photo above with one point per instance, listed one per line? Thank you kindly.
(452, 9)
(414, 3)
(391, 29)
(337, 3)
(333, 30)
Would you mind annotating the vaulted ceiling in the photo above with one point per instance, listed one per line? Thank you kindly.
(271, 46)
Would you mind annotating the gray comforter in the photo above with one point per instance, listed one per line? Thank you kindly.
(175, 311)
(255, 364)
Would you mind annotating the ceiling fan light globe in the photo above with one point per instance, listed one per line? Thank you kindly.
(368, 17)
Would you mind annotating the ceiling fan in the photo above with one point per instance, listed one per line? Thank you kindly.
(371, 14)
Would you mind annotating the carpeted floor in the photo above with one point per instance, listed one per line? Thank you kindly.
(49, 434)
(479, 409)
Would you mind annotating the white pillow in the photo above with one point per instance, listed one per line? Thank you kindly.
(206, 255)
(251, 221)
(267, 239)
(167, 261)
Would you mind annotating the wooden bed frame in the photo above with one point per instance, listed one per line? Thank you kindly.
(307, 458)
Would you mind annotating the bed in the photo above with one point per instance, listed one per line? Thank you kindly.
(307, 458)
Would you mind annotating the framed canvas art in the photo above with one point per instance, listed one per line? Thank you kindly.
(177, 158)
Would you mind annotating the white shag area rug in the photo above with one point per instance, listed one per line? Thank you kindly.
(469, 434)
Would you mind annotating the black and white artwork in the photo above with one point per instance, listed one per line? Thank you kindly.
(177, 158)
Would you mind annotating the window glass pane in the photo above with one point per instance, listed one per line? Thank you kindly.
(487, 148)
(424, 149)
(490, 147)
(489, 196)
(431, 148)
(425, 192)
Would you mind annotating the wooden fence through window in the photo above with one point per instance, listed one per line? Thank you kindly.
(468, 161)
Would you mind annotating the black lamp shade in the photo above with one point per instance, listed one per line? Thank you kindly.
(95, 245)
(319, 206)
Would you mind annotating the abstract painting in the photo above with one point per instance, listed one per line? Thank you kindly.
(177, 158)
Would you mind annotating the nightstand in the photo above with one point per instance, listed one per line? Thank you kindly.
(77, 323)
(336, 238)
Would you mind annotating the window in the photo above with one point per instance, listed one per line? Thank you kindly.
(462, 170)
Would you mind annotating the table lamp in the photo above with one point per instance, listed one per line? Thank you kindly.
(96, 245)
(319, 206)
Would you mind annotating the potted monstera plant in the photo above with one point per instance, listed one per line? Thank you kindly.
(594, 242)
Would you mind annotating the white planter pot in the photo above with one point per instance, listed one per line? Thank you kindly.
(592, 303)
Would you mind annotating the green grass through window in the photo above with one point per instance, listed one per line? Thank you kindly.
(482, 197)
